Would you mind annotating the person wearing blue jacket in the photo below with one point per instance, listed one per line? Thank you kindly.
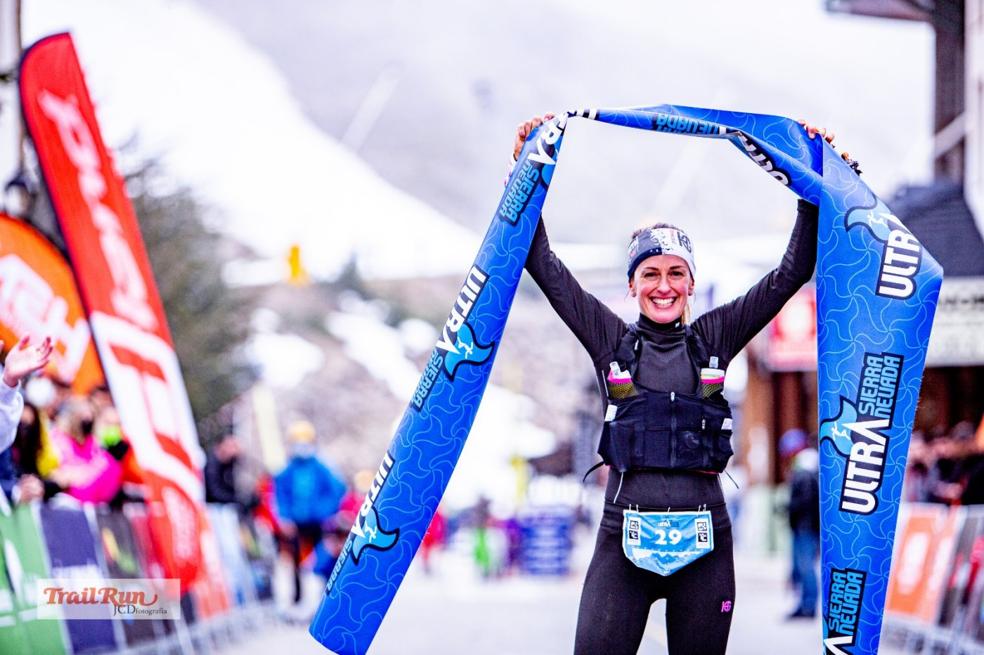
(308, 493)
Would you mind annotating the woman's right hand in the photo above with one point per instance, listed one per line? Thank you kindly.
(524, 129)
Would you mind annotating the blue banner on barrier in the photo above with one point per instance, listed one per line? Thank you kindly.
(120, 554)
(73, 555)
(876, 294)
(239, 577)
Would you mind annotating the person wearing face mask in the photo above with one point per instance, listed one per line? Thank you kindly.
(86, 471)
(308, 494)
(25, 467)
(221, 468)
(665, 530)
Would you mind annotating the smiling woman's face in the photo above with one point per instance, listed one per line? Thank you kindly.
(662, 284)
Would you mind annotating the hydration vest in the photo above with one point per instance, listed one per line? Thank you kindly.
(664, 429)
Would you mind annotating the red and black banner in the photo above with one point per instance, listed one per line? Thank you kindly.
(118, 291)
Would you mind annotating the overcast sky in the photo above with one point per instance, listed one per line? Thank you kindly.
(450, 81)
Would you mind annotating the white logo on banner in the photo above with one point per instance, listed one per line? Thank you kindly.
(129, 295)
(149, 391)
(30, 306)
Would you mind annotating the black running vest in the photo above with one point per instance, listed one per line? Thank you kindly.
(664, 429)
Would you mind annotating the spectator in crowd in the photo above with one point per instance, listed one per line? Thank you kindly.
(326, 552)
(968, 488)
(221, 465)
(101, 399)
(804, 517)
(308, 493)
(916, 481)
(484, 551)
(47, 393)
(265, 511)
(22, 360)
(351, 503)
(86, 471)
(946, 478)
(25, 466)
(108, 432)
(947, 465)
(973, 477)
(433, 539)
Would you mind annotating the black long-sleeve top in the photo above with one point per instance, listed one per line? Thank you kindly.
(664, 362)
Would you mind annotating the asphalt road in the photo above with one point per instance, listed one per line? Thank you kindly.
(453, 611)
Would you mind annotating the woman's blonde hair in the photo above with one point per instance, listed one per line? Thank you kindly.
(655, 226)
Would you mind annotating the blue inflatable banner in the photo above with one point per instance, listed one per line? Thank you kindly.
(877, 289)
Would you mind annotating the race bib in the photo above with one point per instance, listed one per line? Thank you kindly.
(665, 542)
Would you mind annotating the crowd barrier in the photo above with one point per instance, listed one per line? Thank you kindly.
(935, 598)
(228, 601)
(546, 540)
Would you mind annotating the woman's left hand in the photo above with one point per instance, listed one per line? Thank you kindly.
(828, 136)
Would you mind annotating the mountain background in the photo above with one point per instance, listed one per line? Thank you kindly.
(458, 77)
(376, 136)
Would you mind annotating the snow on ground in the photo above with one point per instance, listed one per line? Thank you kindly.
(503, 427)
(283, 359)
(378, 347)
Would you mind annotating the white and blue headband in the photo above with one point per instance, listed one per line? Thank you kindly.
(661, 241)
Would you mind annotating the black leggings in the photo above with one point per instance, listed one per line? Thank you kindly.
(617, 596)
(306, 532)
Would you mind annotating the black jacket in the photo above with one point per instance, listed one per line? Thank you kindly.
(664, 363)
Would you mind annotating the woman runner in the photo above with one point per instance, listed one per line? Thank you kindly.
(667, 431)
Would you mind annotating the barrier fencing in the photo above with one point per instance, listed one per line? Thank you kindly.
(231, 598)
(935, 600)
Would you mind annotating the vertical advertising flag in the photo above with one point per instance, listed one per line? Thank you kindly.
(38, 297)
(118, 291)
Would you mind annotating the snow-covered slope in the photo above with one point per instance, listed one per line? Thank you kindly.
(223, 122)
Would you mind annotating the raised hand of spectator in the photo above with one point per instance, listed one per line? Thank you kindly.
(24, 359)
(29, 488)
(66, 477)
